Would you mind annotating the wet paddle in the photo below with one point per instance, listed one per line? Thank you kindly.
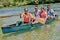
(42, 21)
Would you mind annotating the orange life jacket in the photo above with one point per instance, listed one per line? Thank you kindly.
(27, 18)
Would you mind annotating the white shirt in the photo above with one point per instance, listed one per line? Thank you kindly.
(37, 14)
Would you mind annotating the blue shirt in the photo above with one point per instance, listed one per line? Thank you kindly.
(50, 12)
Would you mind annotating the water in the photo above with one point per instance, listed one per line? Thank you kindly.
(14, 11)
(48, 32)
(45, 32)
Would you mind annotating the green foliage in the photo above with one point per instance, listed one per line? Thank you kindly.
(7, 3)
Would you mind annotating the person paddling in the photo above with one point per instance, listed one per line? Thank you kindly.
(26, 15)
(50, 12)
(37, 12)
(43, 13)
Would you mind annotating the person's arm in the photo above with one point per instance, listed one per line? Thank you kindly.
(54, 13)
(46, 14)
(21, 15)
(32, 16)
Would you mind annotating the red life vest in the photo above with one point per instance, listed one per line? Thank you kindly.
(43, 14)
(27, 18)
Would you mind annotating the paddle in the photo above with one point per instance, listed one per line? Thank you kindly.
(57, 19)
(40, 20)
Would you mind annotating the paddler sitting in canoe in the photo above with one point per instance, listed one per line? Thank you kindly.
(51, 13)
(27, 16)
(43, 13)
(36, 14)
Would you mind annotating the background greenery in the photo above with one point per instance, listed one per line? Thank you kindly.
(10, 3)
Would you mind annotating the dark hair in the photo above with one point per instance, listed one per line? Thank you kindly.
(36, 5)
(25, 9)
(42, 8)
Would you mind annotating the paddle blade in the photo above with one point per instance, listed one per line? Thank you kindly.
(42, 21)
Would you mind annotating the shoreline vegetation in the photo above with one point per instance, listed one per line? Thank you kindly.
(18, 3)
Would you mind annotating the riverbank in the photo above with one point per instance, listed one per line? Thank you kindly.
(23, 4)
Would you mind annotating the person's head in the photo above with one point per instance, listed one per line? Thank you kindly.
(48, 7)
(36, 8)
(36, 5)
(42, 9)
(26, 10)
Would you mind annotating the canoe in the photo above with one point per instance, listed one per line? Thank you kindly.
(14, 28)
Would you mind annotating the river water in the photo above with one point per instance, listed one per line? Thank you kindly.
(45, 32)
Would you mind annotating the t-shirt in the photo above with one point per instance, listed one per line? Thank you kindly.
(37, 14)
(29, 18)
(43, 15)
(50, 12)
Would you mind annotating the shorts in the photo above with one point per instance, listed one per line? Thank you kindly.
(26, 22)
